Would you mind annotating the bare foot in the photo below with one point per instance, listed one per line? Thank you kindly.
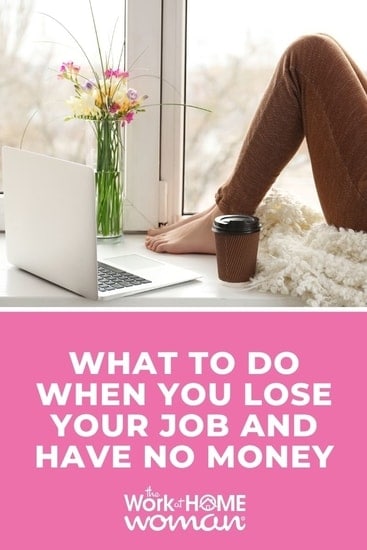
(183, 221)
(193, 236)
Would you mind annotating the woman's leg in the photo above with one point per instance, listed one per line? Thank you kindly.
(316, 92)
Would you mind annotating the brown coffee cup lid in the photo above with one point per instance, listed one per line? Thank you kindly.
(236, 223)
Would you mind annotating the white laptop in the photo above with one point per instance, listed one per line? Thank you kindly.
(51, 230)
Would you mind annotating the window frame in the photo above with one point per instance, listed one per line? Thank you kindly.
(173, 105)
(154, 142)
(142, 137)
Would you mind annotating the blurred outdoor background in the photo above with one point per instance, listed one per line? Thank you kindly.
(232, 48)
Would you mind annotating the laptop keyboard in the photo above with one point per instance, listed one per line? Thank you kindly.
(110, 278)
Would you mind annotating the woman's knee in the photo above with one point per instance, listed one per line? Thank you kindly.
(313, 44)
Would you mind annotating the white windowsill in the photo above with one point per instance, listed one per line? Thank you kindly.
(20, 289)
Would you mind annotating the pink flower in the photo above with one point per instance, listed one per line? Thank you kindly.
(68, 70)
(114, 108)
(109, 73)
(129, 117)
(69, 67)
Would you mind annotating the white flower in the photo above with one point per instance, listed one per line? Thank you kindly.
(84, 105)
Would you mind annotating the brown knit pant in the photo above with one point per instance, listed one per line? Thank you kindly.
(317, 92)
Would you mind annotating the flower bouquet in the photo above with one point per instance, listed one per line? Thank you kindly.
(109, 103)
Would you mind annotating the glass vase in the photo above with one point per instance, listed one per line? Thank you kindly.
(109, 178)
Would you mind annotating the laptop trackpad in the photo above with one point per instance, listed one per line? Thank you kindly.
(133, 262)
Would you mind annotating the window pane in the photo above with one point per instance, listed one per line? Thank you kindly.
(232, 48)
(32, 46)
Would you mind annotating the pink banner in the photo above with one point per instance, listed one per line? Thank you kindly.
(164, 429)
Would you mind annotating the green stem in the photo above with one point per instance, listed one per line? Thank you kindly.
(109, 177)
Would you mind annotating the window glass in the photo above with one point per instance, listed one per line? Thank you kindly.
(32, 93)
(232, 49)
(36, 36)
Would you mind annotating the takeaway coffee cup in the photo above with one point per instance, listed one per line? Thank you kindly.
(237, 241)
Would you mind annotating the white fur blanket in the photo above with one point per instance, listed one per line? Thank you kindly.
(300, 255)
